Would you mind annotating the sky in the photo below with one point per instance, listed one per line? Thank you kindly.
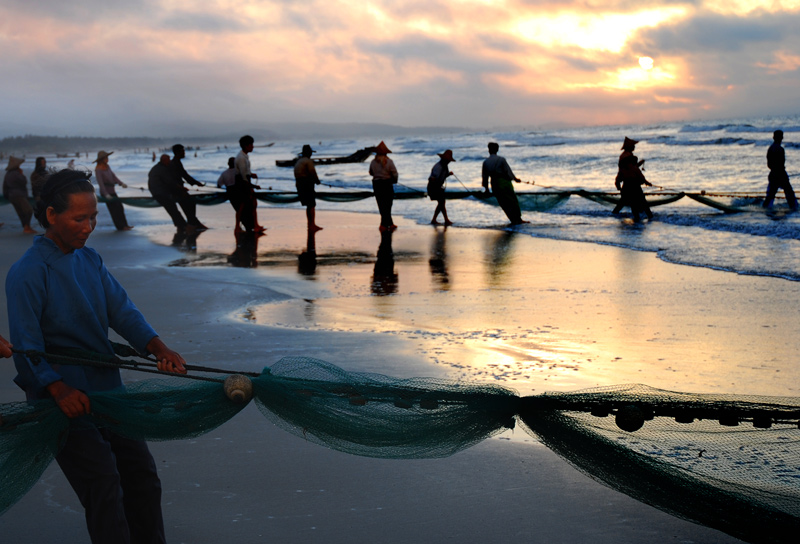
(202, 67)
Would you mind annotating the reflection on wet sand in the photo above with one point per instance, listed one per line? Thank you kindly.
(384, 276)
(499, 256)
(307, 260)
(438, 260)
(186, 241)
(246, 253)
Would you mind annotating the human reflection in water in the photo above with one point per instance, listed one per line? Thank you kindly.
(438, 261)
(186, 240)
(384, 277)
(499, 256)
(246, 253)
(307, 260)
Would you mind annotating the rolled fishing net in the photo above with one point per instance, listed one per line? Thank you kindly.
(728, 462)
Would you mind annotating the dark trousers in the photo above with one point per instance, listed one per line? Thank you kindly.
(117, 212)
(116, 481)
(189, 206)
(384, 196)
(633, 196)
(243, 200)
(168, 202)
(23, 209)
(780, 180)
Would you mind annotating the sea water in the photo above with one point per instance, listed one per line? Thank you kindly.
(718, 157)
(680, 341)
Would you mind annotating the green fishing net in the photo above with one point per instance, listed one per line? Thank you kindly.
(731, 462)
(377, 416)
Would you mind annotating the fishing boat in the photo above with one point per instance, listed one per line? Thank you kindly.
(359, 156)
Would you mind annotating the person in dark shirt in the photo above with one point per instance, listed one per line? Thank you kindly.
(778, 178)
(629, 182)
(181, 195)
(436, 181)
(497, 170)
(162, 186)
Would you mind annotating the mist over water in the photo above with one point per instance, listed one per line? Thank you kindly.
(716, 157)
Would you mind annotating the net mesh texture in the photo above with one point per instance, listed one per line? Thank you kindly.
(727, 461)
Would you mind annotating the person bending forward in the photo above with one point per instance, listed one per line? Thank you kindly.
(61, 295)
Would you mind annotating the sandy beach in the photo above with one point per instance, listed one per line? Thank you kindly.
(476, 305)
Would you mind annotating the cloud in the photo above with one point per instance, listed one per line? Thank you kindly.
(728, 34)
(164, 65)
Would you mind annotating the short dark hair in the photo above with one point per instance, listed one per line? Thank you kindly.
(177, 147)
(56, 191)
(778, 134)
(494, 147)
(231, 162)
(246, 140)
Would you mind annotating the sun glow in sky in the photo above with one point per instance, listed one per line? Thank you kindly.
(603, 32)
(151, 67)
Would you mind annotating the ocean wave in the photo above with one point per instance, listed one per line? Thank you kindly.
(715, 141)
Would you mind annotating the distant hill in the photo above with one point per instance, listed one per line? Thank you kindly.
(32, 144)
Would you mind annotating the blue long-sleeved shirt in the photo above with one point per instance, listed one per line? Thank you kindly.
(68, 301)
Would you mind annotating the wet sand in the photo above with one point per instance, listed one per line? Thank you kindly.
(535, 315)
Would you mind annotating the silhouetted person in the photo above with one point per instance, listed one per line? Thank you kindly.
(106, 181)
(305, 175)
(244, 188)
(629, 182)
(227, 181)
(384, 176)
(439, 174)
(161, 184)
(496, 169)
(15, 190)
(181, 194)
(39, 177)
(778, 178)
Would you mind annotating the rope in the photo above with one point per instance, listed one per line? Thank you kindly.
(411, 188)
(108, 361)
(479, 193)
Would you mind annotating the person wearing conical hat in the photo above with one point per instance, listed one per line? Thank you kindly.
(106, 180)
(629, 182)
(497, 170)
(384, 176)
(439, 174)
(15, 190)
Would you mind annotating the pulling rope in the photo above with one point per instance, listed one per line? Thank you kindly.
(108, 361)
(480, 194)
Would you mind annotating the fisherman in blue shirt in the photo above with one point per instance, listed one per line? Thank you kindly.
(61, 295)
